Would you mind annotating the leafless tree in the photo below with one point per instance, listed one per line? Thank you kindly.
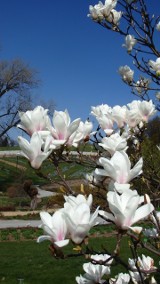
(16, 81)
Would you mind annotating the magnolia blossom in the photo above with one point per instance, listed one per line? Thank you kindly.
(94, 273)
(100, 110)
(145, 263)
(55, 228)
(121, 278)
(126, 74)
(106, 123)
(63, 131)
(101, 11)
(140, 111)
(155, 65)
(146, 110)
(33, 150)
(95, 12)
(79, 220)
(104, 258)
(119, 115)
(80, 198)
(103, 114)
(119, 168)
(158, 26)
(108, 7)
(130, 42)
(125, 210)
(83, 133)
(114, 143)
(114, 17)
(135, 276)
(34, 120)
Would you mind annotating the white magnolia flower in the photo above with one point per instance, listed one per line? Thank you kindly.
(106, 123)
(145, 263)
(119, 168)
(104, 258)
(95, 272)
(114, 143)
(79, 220)
(80, 198)
(155, 65)
(121, 278)
(114, 17)
(135, 276)
(125, 210)
(55, 228)
(63, 131)
(158, 26)
(100, 110)
(83, 280)
(146, 110)
(126, 74)
(95, 12)
(107, 7)
(119, 115)
(34, 120)
(101, 11)
(83, 132)
(33, 150)
(103, 114)
(130, 42)
(139, 111)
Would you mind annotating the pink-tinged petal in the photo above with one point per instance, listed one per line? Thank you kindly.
(137, 169)
(44, 238)
(142, 212)
(60, 125)
(61, 243)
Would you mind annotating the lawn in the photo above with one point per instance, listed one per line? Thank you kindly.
(34, 263)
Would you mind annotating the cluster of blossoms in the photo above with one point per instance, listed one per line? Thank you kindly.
(126, 207)
(105, 12)
(107, 16)
(45, 138)
(72, 221)
(131, 115)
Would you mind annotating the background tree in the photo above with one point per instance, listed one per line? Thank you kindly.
(135, 22)
(17, 79)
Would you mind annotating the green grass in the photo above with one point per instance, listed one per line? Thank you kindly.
(34, 263)
(10, 175)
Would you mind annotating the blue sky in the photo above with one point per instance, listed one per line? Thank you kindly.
(77, 60)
